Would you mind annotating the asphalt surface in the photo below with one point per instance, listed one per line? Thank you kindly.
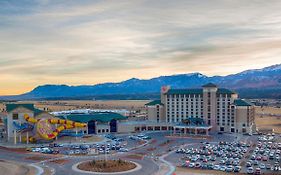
(158, 146)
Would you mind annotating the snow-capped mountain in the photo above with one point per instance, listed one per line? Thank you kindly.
(265, 82)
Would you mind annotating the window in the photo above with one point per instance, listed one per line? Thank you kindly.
(15, 116)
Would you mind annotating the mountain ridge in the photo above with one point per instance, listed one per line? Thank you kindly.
(266, 81)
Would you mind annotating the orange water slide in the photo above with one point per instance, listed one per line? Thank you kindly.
(45, 130)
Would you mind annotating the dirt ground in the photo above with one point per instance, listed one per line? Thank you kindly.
(268, 118)
(268, 110)
(268, 122)
(109, 166)
(12, 168)
(83, 104)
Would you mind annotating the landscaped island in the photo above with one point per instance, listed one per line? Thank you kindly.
(107, 166)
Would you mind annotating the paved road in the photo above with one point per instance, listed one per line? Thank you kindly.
(160, 145)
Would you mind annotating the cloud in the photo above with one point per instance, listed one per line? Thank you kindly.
(88, 42)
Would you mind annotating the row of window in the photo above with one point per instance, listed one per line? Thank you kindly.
(103, 130)
(223, 124)
(184, 96)
(173, 115)
(182, 106)
(177, 109)
(219, 96)
(186, 100)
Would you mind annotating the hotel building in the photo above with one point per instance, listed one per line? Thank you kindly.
(219, 108)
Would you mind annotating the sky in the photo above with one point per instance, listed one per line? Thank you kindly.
(94, 41)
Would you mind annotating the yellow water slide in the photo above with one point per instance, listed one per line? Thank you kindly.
(44, 128)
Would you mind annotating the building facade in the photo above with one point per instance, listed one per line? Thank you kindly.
(218, 107)
(19, 129)
(15, 119)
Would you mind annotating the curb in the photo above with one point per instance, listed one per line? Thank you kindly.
(76, 169)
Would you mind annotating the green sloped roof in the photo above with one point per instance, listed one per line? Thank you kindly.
(155, 102)
(225, 91)
(185, 91)
(11, 107)
(37, 112)
(197, 91)
(209, 85)
(97, 116)
(240, 102)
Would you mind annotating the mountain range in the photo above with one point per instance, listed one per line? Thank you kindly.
(256, 83)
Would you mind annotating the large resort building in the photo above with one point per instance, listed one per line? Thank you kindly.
(207, 108)
(179, 111)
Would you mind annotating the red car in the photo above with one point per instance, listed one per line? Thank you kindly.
(258, 158)
(258, 171)
(264, 158)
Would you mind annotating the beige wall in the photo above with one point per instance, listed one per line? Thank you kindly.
(125, 128)
(152, 113)
(21, 112)
(210, 117)
(245, 118)
(103, 128)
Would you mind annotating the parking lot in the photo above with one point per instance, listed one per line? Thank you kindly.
(112, 145)
(260, 155)
(220, 153)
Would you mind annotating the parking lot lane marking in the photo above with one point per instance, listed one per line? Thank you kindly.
(39, 169)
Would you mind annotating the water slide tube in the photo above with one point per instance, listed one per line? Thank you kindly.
(44, 128)
(22, 127)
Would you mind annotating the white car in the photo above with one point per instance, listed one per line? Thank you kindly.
(123, 150)
(250, 170)
(229, 168)
(262, 166)
(216, 167)
(36, 150)
(222, 168)
(191, 165)
(140, 135)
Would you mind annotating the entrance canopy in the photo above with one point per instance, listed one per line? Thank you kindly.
(193, 123)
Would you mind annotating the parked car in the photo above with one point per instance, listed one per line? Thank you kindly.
(262, 166)
(250, 170)
(191, 165)
(237, 169)
(258, 171)
(229, 168)
(123, 150)
(216, 167)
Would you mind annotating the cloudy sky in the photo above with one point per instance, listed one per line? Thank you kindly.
(88, 42)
